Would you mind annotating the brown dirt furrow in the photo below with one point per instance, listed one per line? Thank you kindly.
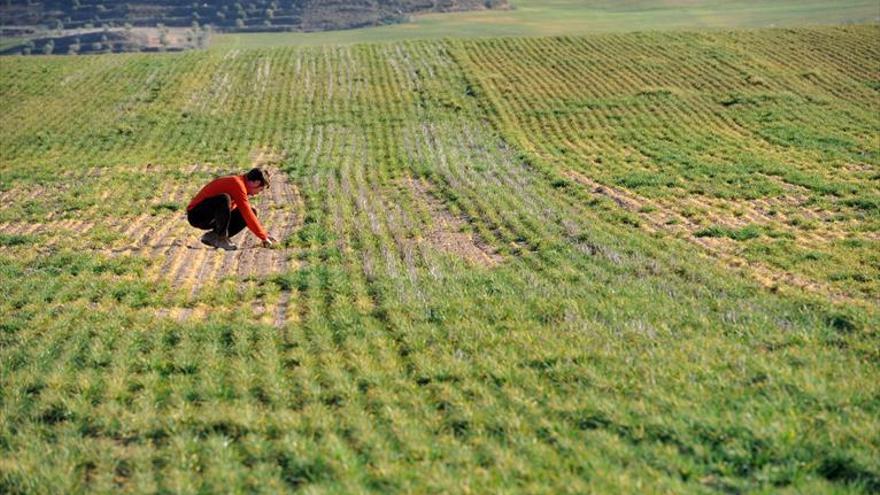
(267, 259)
(267, 159)
(197, 167)
(164, 192)
(34, 193)
(163, 312)
(775, 280)
(263, 263)
(751, 217)
(181, 195)
(182, 233)
(187, 265)
(776, 213)
(263, 311)
(814, 214)
(815, 239)
(284, 223)
(278, 263)
(871, 236)
(216, 272)
(63, 225)
(280, 316)
(162, 239)
(206, 272)
(168, 254)
(253, 262)
(660, 213)
(182, 314)
(58, 227)
(34, 228)
(175, 263)
(447, 231)
(284, 262)
(186, 262)
(175, 243)
(106, 195)
(14, 228)
(200, 312)
(132, 227)
(53, 229)
(275, 194)
(79, 228)
(286, 231)
(151, 241)
(268, 217)
(227, 267)
(195, 314)
(191, 236)
(623, 198)
(248, 262)
(291, 196)
(186, 235)
(277, 226)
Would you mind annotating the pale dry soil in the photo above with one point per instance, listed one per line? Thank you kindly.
(676, 218)
(174, 247)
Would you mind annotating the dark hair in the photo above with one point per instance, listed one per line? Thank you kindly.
(258, 175)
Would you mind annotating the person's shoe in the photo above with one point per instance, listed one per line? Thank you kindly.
(223, 243)
(208, 238)
(212, 239)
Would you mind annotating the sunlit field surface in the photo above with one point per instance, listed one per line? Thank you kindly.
(620, 263)
(578, 17)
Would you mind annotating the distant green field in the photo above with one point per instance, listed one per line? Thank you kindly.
(570, 17)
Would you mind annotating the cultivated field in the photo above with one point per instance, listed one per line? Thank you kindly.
(579, 17)
(614, 263)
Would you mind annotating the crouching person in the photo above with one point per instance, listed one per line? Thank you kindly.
(222, 208)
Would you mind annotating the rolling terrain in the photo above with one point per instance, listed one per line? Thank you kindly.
(529, 18)
(227, 15)
(613, 263)
(95, 26)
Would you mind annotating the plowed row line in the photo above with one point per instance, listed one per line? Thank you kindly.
(658, 218)
(447, 232)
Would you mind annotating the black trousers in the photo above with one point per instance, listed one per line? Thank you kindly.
(214, 214)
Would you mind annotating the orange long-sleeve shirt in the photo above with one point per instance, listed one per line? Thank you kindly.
(233, 185)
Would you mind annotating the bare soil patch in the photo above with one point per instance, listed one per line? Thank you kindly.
(50, 229)
(161, 231)
(446, 232)
(684, 217)
(189, 263)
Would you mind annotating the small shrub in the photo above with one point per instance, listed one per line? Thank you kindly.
(15, 239)
(743, 234)
(870, 205)
(560, 183)
(165, 206)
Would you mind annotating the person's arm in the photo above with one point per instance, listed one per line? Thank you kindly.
(244, 206)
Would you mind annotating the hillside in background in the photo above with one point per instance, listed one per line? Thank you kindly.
(96, 26)
(228, 15)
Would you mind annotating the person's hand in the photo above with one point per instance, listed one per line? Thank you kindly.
(269, 242)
